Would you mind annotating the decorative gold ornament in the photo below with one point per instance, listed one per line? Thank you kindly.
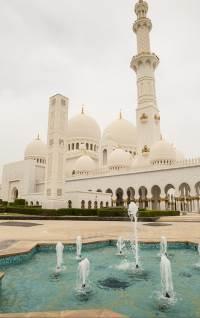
(157, 117)
(145, 149)
(144, 118)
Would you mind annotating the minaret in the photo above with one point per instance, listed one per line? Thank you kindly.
(57, 125)
(144, 64)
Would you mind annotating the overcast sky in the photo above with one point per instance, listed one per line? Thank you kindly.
(82, 49)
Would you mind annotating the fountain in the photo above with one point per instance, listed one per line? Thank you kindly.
(120, 245)
(83, 272)
(78, 247)
(59, 254)
(163, 246)
(166, 277)
(132, 213)
(198, 248)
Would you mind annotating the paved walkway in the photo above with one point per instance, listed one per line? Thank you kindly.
(66, 231)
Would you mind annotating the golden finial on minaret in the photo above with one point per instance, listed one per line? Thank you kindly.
(141, 9)
(82, 109)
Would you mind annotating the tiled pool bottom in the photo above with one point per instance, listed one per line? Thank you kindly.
(29, 284)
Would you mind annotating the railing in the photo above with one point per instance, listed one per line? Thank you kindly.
(105, 171)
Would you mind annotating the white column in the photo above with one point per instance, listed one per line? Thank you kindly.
(57, 125)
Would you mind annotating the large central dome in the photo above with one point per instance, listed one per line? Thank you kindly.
(83, 126)
(120, 132)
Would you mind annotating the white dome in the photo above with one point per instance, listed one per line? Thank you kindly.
(179, 155)
(84, 127)
(119, 159)
(163, 152)
(140, 161)
(84, 164)
(120, 132)
(36, 149)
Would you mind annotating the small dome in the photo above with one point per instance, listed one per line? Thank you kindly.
(140, 161)
(163, 152)
(119, 159)
(36, 149)
(83, 126)
(84, 164)
(120, 132)
(179, 155)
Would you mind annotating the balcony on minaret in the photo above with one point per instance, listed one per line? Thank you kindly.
(139, 60)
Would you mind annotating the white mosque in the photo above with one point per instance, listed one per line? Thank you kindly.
(81, 168)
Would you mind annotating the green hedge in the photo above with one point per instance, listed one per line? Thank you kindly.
(155, 213)
(112, 212)
(48, 212)
(104, 212)
(77, 212)
(20, 202)
(26, 210)
(4, 203)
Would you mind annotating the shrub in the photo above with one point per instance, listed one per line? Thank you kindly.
(101, 213)
(155, 213)
(48, 212)
(20, 202)
(26, 210)
(112, 212)
(77, 212)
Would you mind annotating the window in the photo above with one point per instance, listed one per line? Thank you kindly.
(59, 192)
(77, 145)
(63, 102)
(91, 146)
(82, 204)
(105, 157)
(61, 142)
(51, 142)
(89, 204)
(53, 101)
(87, 146)
(72, 146)
(69, 204)
(69, 147)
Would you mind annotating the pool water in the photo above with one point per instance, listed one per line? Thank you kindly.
(114, 284)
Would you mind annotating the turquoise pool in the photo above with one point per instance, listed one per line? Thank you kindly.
(30, 283)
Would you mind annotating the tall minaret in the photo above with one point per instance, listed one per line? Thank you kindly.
(144, 64)
(57, 125)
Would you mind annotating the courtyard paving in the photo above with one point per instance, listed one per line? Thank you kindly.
(16, 237)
